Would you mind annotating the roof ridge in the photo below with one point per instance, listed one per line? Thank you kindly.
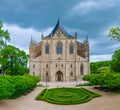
(58, 25)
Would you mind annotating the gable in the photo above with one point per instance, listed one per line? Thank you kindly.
(58, 30)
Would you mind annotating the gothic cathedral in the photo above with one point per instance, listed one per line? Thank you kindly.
(59, 56)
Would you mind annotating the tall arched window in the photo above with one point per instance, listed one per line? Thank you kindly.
(59, 48)
(82, 69)
(71, 49)
(46, 65)
(47, 49)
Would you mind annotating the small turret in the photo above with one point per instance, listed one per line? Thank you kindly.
(31, 49)
(86, 44)
(42, 35)
(76, 34)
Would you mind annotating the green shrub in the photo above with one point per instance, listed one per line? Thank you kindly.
(15, 86)
(86, 78)
(95, 79)
(111, 80)
(22, 84)
(6, 88)
(66, 95)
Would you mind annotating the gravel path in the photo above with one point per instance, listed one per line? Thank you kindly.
(108, 101)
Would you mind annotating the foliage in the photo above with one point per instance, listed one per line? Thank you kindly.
(96, 79)
(85, 84)
(115, 33)
(4, 36)
(110, 80)
(14, 61)
(65, 96)
(115, 64)
(98, 67)
(105, 69)
(113, 81)
(14, 86)
(6, 88)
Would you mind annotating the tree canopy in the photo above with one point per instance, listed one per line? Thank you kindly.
(115, 64)
(4, 36)
(100, 66)
(13, 60)
(115, 33)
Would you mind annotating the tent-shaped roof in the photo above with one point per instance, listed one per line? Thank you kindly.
(58, 25)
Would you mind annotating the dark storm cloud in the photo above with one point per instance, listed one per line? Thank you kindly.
(87, 17)
(34, 13)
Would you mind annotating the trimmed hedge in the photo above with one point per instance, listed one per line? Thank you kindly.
(15, 86)
(66, 96)
(6, 88)
(111, 80)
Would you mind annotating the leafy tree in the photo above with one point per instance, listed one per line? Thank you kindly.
(115, 63)
(93, 68)
(4, 36)
(115, 33)
(98, 67)
(13, 61)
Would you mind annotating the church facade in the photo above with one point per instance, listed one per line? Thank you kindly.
(59, 56)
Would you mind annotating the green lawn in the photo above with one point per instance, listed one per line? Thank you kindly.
(66, 96)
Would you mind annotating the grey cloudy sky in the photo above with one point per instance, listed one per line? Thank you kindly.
(94, 18)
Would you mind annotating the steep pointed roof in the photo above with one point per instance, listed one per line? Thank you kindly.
(58, 25)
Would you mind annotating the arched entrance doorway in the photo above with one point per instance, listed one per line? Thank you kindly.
(59, 76)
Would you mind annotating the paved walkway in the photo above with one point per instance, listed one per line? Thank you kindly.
(108, 101)
(62, 84)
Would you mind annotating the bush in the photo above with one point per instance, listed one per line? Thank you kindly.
(17, 85)
(66, 96)
(111, 80)
(6, 88)
(95, 79)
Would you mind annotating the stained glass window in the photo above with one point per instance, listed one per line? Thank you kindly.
(71, 49)
(59, 49)
(46, 49)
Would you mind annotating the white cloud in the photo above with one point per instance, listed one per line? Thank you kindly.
(114, 47)
(94, 58)
(91, 5)
(92, 43)
(20, 37)
(47, 31)
(84, 6)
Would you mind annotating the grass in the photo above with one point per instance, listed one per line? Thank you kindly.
(65, 96)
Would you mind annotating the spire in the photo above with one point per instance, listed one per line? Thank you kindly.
(75, 34)
(58, 25)
(86, 37)
(42, 35)
(31, 41)
(58, 22)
